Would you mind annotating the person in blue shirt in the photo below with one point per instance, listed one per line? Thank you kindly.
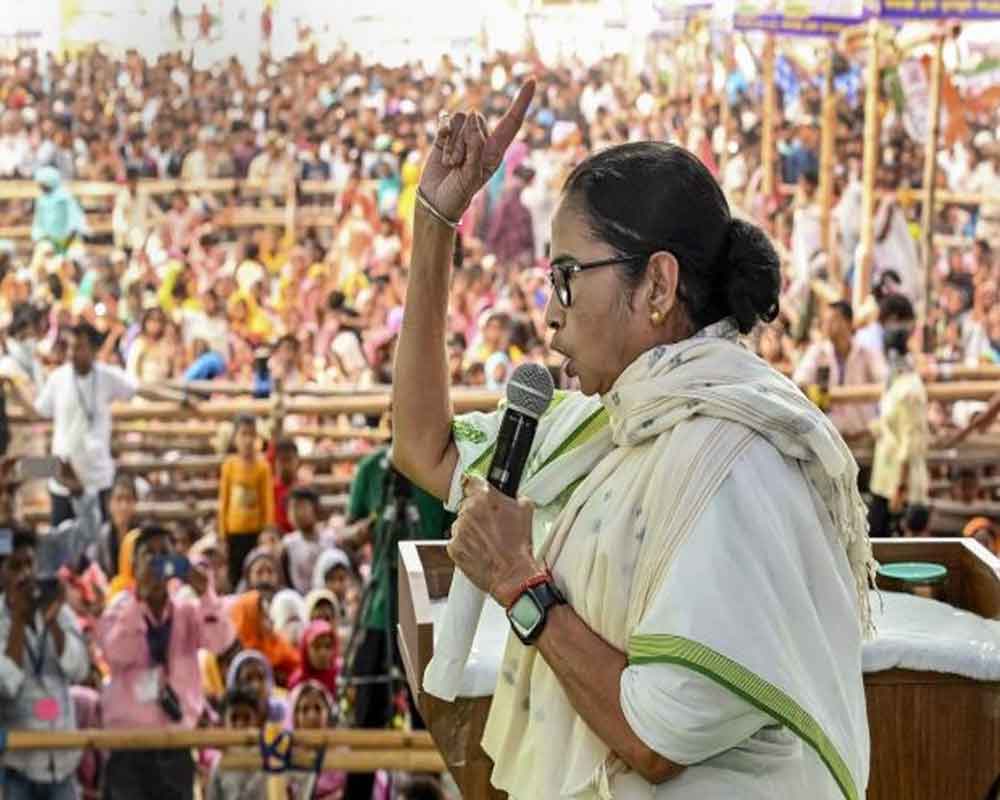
(207, 365)
(58, 216)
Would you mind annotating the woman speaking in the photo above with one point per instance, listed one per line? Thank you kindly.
(689, 562)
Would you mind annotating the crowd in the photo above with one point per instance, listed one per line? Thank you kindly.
(273, 612)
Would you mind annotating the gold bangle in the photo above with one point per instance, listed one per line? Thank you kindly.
(429, 207)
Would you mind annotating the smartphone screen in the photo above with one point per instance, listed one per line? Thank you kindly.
(33, 467)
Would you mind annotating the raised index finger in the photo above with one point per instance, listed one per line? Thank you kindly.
(505, 131)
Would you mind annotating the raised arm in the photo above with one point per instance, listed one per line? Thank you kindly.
(464, 156)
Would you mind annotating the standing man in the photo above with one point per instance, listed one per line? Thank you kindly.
(151, 641)
(77, 397)
(839, 360)
(42, 655)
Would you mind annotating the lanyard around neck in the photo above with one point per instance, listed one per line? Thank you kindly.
(90, 412)
(38, 659)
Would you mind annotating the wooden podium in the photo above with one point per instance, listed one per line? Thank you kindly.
(933, 735)
(936, 735)
(425, 571)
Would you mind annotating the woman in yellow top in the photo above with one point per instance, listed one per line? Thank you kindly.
(246, 496)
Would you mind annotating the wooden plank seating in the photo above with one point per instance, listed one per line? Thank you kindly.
(212, 463)
(175, 510)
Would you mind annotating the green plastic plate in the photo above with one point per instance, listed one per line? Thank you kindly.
(914, 571)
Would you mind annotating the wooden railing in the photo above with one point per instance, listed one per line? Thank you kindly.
(345, 749)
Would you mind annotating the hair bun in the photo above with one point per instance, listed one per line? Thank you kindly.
(752, 273)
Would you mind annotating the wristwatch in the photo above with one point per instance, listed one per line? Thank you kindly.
(529, 611)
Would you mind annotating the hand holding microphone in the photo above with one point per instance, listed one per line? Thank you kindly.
(491, 539)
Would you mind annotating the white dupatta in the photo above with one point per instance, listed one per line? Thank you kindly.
(610, 526)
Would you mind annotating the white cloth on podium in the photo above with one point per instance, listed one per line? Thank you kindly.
(927, 635)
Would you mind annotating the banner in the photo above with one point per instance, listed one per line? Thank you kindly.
(934, 9)
(667, 10)
(825, 18)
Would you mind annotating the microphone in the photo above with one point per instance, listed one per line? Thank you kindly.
(529, 393)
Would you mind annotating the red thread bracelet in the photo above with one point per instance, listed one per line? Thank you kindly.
(531, 583)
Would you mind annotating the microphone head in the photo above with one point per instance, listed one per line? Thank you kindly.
(530, 390)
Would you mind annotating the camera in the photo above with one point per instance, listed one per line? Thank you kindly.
(171, 566)
(170, 703)
(46, 592)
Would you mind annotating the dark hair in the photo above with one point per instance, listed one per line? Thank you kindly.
(286, 446)
(126, 482)
(305, 493)
(146, 534)
(896, 307)
(237, 696)
(244, 420)
(843, 308)
(20, 537)
(89, 332)
(422, 787)
(25, 316)
(917, 517)
(645, 197)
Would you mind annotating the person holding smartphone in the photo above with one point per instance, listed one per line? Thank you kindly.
(41, 655)
(151, 641)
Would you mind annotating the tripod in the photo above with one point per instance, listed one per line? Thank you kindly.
(373, 664)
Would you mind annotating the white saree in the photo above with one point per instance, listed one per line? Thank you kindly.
(703, 518)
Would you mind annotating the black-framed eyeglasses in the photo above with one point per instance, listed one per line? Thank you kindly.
(564, 268)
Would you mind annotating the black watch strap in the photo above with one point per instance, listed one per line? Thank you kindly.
(545, 595)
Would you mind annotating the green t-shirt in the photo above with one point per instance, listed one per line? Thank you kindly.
(367, 498)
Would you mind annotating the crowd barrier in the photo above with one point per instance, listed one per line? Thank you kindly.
(351, 750)
(290, 214)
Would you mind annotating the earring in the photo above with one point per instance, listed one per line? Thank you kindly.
(656, 317)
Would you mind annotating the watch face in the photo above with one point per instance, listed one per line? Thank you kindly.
(525, 614)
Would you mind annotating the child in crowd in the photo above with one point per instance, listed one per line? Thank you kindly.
(313, 708)
(250, 614)
(242, 711)
(319, 651)
(322, 604)
(286, 469)
(304, 546)
(333, 572)
(246, 496)
(251, 672)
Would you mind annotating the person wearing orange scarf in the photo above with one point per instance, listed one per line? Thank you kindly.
(255, 632)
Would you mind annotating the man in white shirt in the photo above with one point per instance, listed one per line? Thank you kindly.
(838, 360)
(77, 397)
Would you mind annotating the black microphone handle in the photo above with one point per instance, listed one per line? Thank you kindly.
(517, 431)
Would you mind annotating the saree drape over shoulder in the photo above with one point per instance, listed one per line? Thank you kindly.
(703, 518)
